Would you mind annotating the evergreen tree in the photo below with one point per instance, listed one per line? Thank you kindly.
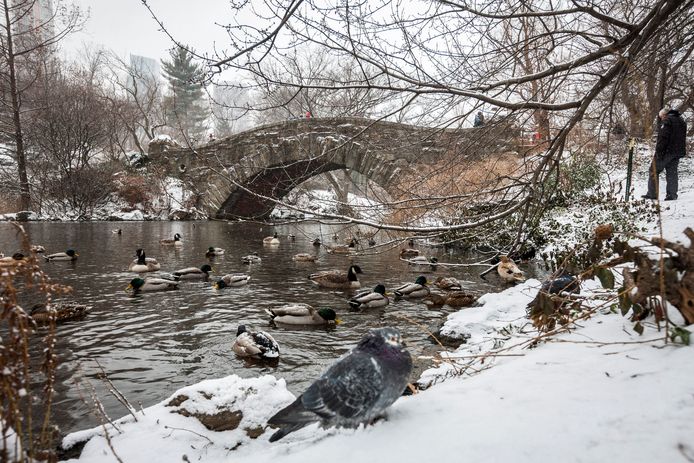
(185, 106)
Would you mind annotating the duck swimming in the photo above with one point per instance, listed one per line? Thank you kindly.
(232, 281)
(251, 259)
(343, 248)
(337, 278)
(448, 283)
(302, 314)
(508, 270)
(407, 253)
(413, 290)
(58, 311)
(304, 257)
(271, 240)
(62, 256)
(257, 344)
(12, 260)
(143, 263)
(138, 285)
(214, 252)
(176, 241)
(370, 299)
(193, 273)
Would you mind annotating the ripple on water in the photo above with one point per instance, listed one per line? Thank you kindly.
(151, 344)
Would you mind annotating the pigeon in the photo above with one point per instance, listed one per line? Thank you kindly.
(354, 390)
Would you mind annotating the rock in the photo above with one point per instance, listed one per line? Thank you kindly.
(254, 432)
(223, 420)
(449, 341)
(26, 216)
(177, 401)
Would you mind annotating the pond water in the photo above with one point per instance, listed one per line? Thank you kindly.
(152, 344)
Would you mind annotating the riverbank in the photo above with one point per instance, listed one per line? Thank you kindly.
(597, 391)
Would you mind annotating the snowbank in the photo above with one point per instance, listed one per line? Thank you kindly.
(599, 392)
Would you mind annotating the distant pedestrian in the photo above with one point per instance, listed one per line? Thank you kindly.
(479, 120)
(669, 148)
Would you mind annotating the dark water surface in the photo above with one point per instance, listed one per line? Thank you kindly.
(152, 344)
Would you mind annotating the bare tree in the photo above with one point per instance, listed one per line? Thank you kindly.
(136, 100)
(543, 61)
(29, 32)
(69, 133)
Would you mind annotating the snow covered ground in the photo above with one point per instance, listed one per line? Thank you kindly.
(599, 392)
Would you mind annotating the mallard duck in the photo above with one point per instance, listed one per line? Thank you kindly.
(453, 299)
(337, 278)
(138, 285)
(302, 314)
(143, 263)
(448, 283)
(292, 236)
(271, 240)
(232, 281)
(407, 253)
(176, 241)
(117, 231)
(304, 257)
(460, 299)
(343, 248)
(37, 248)
(413, 290)
(67, 255)
(193, 273)
(508, 270)
(370, 299)
(58, 311)
(213, 252)
(251, 259)
(12, 260)
(257, 344)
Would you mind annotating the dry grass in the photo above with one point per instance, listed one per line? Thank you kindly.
(25, 424)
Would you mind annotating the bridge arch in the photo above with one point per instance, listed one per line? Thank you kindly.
(272, 160)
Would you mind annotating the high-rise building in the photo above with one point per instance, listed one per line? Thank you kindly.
(144, 73)
(34, 24)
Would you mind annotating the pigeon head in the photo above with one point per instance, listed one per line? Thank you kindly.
(380, 339)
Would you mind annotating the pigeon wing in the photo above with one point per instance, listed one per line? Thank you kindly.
(347, 391)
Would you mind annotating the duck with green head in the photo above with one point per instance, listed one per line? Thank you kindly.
(370, 299)
(139, 285)
(413, 290)
(70, 254)
(232, 281)
(302, 314)
(193, 273)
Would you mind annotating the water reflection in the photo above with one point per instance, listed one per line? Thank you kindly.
(151, 344)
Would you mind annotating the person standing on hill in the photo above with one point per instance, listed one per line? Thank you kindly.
(669, 148)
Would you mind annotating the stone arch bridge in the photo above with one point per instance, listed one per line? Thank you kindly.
(234, 177)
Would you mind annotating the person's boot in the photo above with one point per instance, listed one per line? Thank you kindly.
(670, 198)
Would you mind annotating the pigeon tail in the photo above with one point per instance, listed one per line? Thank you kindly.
(291, 418)
(283, 431)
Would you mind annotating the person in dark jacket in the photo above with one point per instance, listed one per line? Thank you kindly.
(669, 148)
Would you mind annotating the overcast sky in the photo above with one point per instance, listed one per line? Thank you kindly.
(125, 26)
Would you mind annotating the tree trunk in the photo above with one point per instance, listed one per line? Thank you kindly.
(25, 194)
